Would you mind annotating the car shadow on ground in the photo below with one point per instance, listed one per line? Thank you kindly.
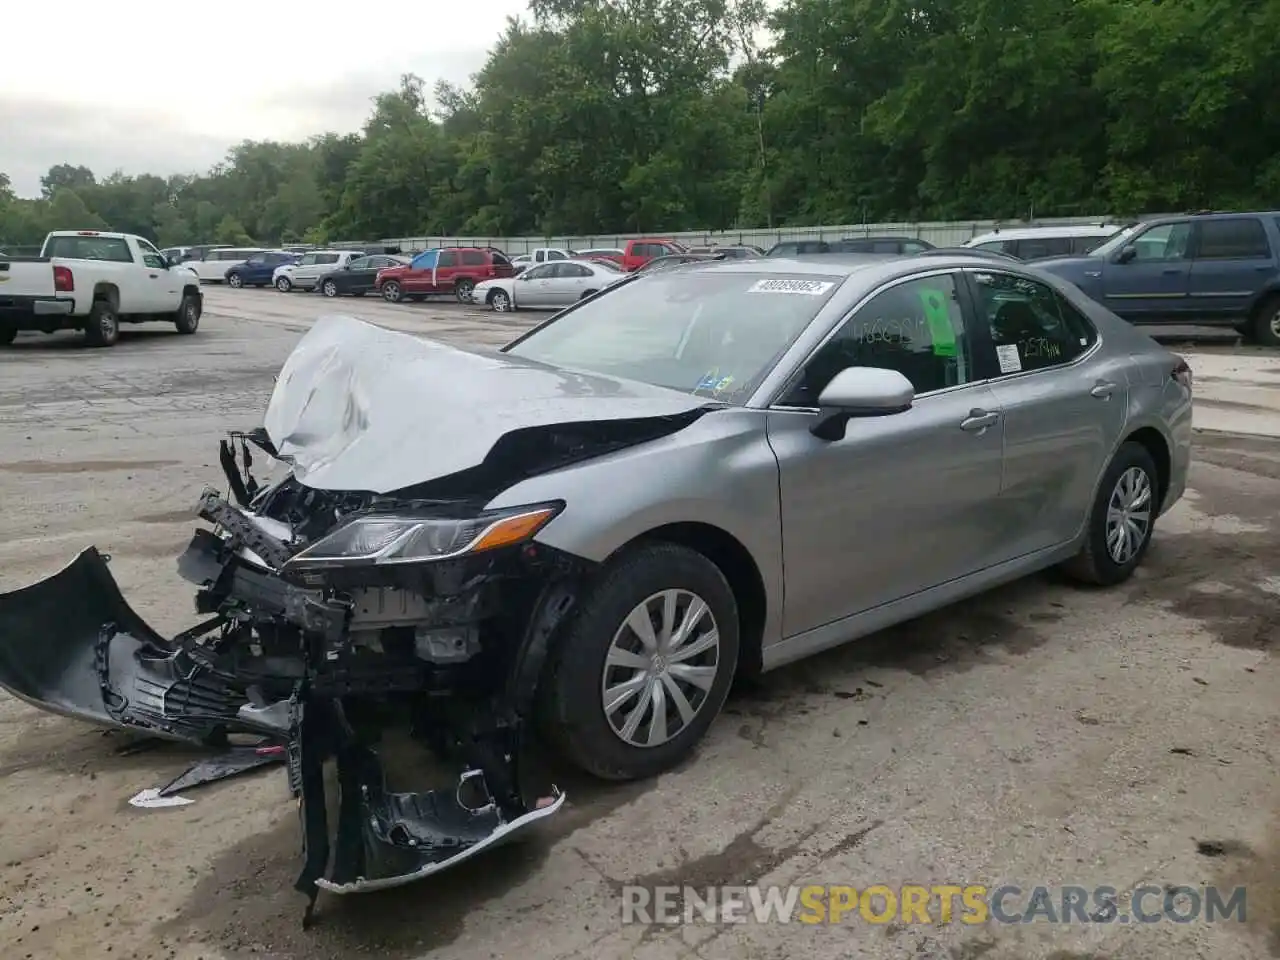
(67, 340)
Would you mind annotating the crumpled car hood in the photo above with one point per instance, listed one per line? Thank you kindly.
(358, 407)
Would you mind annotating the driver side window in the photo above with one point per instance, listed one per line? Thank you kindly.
(1168, 241)
(916, 328)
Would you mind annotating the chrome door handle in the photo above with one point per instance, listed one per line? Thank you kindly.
(1103, 390)
(978, 420)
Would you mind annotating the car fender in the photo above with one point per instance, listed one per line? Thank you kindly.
(720, 472)
(1269, 289)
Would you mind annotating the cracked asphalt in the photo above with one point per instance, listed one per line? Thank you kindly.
(1038, 735)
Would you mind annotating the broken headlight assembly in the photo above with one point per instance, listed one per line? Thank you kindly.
(394, 539)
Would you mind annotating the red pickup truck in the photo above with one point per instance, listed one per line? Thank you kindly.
(454, 270)
(639, 252)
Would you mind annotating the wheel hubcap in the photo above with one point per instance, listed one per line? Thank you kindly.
(500, 303)
(1129, 515)
(330, 290)
(660, 668)
(235, 281)
(1275, 324)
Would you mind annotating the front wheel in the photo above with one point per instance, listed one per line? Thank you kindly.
(391, 292)
(645, 666)
(500, 301)
(329, 288)
(462, 290)
(188, 317)
(1121, 521)
(235, 280)
(284, 284)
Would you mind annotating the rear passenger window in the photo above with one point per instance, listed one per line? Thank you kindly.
(916, 328)
(1032, 327)
(473, 258)
(1240, 238)
(1027, 248)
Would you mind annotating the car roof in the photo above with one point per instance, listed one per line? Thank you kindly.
(1217, 215)
(1035, 233)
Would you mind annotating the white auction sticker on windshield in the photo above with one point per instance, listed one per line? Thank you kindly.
(812, 288)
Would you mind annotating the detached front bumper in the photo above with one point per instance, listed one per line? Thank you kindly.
(329, 671)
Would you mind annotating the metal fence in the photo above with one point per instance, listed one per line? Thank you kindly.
(942, 234)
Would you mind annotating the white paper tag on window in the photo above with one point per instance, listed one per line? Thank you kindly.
(1010, 362)
(812, 288)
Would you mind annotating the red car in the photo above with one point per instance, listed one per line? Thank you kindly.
(454, 270)
(640, 252)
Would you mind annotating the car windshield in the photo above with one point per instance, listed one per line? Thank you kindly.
(712, 334)
(1112, 243)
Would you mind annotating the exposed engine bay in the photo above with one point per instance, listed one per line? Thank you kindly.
(338, 618)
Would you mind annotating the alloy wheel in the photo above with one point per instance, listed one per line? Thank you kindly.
(1128, 515)
(330, 288)
(660, 668)
(235, 281)
(501, 302)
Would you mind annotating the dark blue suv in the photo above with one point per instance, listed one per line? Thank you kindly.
(257, 270)
(1218, 269)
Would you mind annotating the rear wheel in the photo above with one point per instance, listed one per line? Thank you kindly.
(1121, 521)
(235, 280)
(284, 284)
(391, 292)
(462, 290)
(188, 317)
(645, 665)
(1265, 329)
(103, 326)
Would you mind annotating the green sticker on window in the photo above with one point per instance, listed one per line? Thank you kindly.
(938, 317)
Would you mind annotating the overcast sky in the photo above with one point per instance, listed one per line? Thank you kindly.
(164, 88)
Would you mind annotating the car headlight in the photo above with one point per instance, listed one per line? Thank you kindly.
(390, 538)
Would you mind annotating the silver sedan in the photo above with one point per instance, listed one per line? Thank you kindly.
(547, 286)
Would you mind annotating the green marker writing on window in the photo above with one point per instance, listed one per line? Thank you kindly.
(938, 317)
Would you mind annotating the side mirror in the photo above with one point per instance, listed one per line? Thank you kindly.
(1127, 252)
(860, 392)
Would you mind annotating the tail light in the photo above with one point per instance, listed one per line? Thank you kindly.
(1182, 373)
(63, 281)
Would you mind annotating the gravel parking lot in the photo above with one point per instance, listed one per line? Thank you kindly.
(1040, 735)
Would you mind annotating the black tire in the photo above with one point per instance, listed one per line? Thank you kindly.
(235, 281)
(462, 290)
(392, 292)
(8, 335)
(1095, 564)
(1264, 326)
(102, 329)
(187, 319)
(588, 293)
(570, 695)
(329, 288)
(284, 284)
(500, 301)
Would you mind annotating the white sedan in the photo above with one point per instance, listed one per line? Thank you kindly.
(547, 286)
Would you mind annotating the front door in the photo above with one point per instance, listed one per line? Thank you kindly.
(1153, 285)
(533, 287)
(162, 286)
(901, 502)
(1231, 262)
(1064, 407)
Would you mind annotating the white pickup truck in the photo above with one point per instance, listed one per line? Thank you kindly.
(94, 281)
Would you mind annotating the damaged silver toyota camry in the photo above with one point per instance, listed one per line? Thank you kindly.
(719, 468)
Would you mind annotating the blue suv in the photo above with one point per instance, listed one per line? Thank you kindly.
(1214, 269)
(257, 270)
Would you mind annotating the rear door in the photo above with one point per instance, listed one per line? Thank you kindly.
(1063, 401)
(569, 283)
(1153, 285)
(1231, 261)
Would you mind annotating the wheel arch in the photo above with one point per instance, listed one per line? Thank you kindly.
(733, 560)
(109, 292)
(1154, 442)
